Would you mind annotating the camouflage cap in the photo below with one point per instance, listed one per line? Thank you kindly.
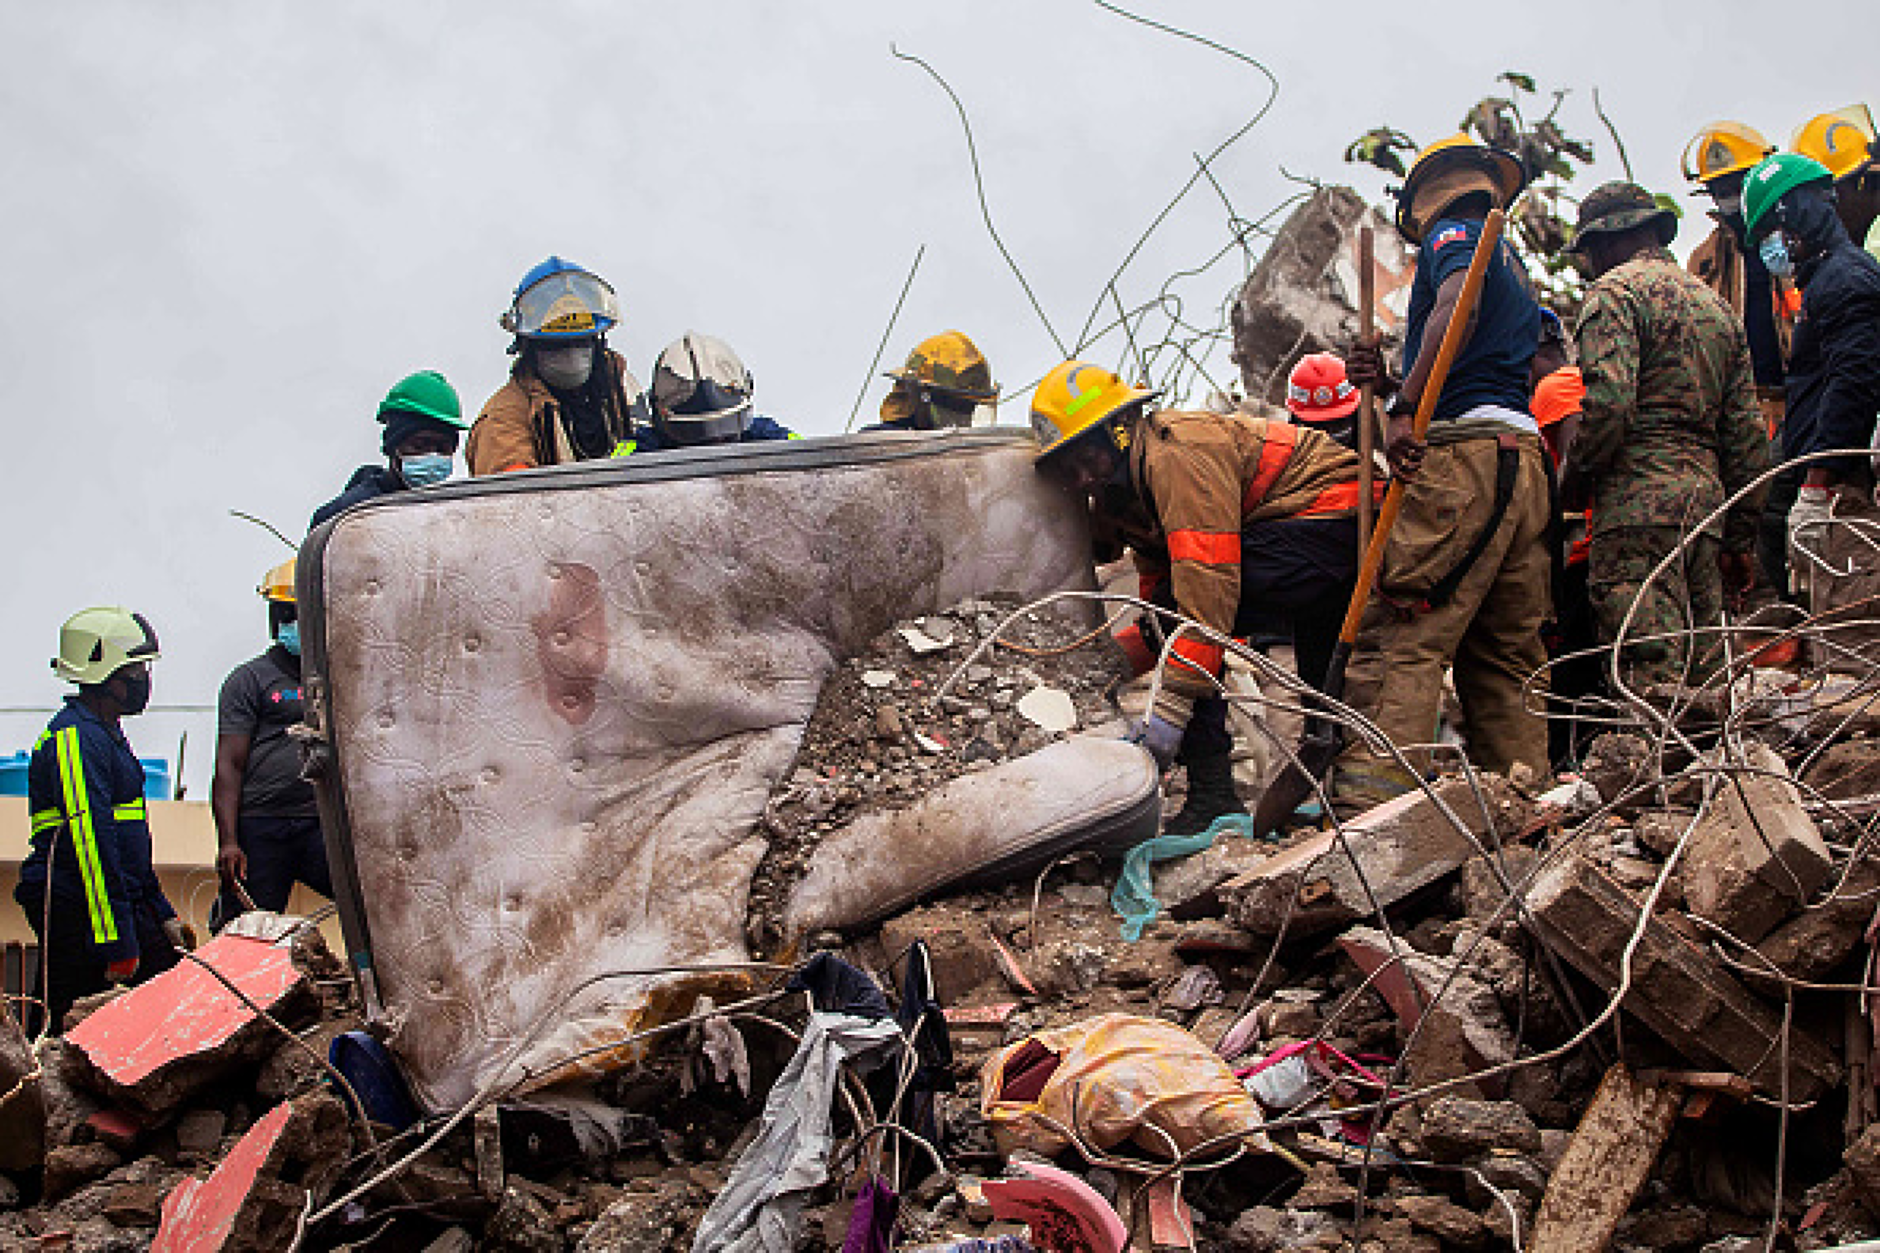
(950, 362)
(1614, 208)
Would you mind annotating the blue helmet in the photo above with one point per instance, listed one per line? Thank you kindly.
(560, 300)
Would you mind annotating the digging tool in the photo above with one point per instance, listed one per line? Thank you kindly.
(1320, 747)
(1367, 395)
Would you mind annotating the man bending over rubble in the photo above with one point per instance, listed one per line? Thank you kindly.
(1229, 517)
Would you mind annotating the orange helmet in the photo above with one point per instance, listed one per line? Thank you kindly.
(1318, 390)
(1558, 396)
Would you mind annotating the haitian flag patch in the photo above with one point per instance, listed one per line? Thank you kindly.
(1454, 234)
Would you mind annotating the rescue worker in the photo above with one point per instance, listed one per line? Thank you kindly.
(1834, 361)
(1466, 570)
(1718, 158)
(1669, 426)
(569, 396)
(1229, 517)
(87, 886)
(1844, 142)
(701, 395)
(423, 422)
(1556, 406)
(945, 381)
(1319, 395)
(266, 823)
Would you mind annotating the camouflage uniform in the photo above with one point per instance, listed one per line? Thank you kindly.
(1669, 427)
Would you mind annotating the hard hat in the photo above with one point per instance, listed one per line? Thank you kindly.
(1723, 148)
(1075, 400)
(1614, 208)
(701, 390)
(1773, 179)
(560, 300)
(1318, 390)
(950, 363)
(1450, 169)
(1558, 396)
(94, 644)
(278, 583)
(427, 394)
(1843, 141)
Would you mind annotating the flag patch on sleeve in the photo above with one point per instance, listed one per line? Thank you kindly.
(1454, 234)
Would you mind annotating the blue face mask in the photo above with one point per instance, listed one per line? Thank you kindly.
(288, 637)
(1775, 255)
(425, 469)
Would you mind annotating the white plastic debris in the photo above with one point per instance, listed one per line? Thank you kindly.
(877, 678)
(1049, 708)
(927, 744)
(922, 643)
(1576, 798)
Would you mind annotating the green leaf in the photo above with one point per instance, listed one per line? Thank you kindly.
(1517, 80)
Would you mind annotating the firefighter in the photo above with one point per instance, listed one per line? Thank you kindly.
(569, 396)
(1319, 395)
(1229, 517)
(1844, 142)
(944, 383)
(266, 822)
(1465, 583)
(701, 394)
(88, 888)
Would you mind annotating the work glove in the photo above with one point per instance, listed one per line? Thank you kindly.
(1161, 737)
(1739, 575)
(1808, 533)
(180, 934)
(121, 971)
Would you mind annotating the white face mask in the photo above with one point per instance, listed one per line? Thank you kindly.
(566, 367)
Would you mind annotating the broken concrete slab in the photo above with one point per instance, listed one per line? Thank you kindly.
(1810, 945)
(1606, 1163)
(1455, 1128)
(1386, 854)
(23, 1107)
(1678, 989)
(1188, 888)
(960, 947)
(1848, 771)
(153, 1047)
(248, 1203)
(1755, 856)
(1457, 1033)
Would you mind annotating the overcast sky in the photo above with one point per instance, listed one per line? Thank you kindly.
(229, 228)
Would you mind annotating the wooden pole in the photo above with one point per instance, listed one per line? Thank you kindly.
(1367, 395)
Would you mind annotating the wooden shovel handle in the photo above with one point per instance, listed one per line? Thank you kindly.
(1453, 336)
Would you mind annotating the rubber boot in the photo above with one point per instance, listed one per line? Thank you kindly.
(1210, 794)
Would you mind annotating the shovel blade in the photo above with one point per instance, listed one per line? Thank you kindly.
(1296, 782)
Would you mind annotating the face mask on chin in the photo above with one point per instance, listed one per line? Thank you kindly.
(565, 367)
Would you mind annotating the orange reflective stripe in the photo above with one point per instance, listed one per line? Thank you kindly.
(1276, 452)
(1340, 497)
(1213, 547)
(1206, 656)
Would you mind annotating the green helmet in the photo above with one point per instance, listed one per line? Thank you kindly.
(428, 395)
(1774, 178)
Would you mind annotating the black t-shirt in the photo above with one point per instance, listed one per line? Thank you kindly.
(1492, 368)
(261, 700)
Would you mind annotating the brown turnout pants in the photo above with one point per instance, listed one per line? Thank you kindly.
(1489, 631)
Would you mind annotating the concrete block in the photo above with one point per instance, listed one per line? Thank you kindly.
(1678, 989)
(1810, 945)
(1394, 850)
(23, 1110)
(1607, 1161)
(960, 944)
(1465, 1029)
(1189, 887)
(1755, 857)
(247, 1204)
(162, 1041)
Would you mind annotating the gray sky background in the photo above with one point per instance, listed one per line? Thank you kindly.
(228, 229)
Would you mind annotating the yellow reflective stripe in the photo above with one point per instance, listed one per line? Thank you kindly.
(132, 812)
(626, 448)
(793, 435)
(45, 819)
(84, 837)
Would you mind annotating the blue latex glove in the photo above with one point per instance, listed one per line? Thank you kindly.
(1161, 737)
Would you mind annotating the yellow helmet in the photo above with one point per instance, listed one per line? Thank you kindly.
(1076, 399)
(1724, 148)
(1842, 140)
(278, 583)
(1450, 169)
(950, 362)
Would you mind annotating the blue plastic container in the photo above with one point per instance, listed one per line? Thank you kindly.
(156, 776)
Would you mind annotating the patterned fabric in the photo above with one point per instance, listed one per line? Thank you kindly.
(1670, 423)
(1621, 562)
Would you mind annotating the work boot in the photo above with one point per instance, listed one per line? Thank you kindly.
(1210, 794)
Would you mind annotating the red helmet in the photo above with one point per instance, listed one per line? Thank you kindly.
(1318, 390)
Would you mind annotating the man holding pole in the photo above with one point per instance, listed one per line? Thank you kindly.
(1466, 567)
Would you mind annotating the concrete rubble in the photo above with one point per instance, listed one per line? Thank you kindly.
(1407, 1003)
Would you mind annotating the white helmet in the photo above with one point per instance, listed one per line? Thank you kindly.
(95, 644)
(701, 391)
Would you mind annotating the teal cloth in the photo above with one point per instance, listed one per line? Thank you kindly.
(1134, 894)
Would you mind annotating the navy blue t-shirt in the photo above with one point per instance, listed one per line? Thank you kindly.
(1492, 368)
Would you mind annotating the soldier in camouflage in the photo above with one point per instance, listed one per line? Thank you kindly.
(1669, 428)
